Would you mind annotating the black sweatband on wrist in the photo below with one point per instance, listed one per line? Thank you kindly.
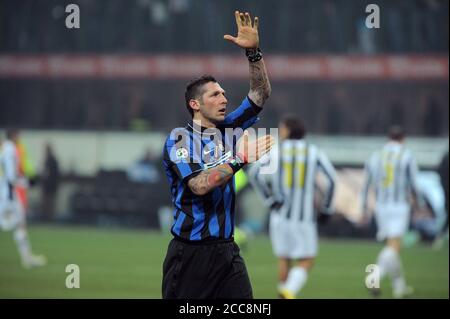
(236, 163)
(253, 55)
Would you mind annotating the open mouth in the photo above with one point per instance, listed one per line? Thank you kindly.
(223, 111)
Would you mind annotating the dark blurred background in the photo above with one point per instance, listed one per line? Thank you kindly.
(317, 29)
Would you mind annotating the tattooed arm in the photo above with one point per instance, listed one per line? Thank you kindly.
(248, 38)
(259, 83)
(209, 179)
(248, 151)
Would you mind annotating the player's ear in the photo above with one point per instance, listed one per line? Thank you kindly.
(194, 104)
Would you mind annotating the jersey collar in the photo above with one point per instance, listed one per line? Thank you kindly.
(201, 130)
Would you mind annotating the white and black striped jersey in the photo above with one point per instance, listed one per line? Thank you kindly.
(392, 173)
(8, 170)
(263, 183)
(294, 183)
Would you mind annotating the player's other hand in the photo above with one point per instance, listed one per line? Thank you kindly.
(247, 37)
(250, 149)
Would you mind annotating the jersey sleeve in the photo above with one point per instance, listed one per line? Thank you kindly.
(181, 157)
(368, 180)
(261, 182)
(328, 170)
(244, 116)
(413, 171)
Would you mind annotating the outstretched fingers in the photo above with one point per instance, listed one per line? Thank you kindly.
(230, 38)
(242, 19)
(256, 23)
(248, 19)
(237, 16)
(264, 144)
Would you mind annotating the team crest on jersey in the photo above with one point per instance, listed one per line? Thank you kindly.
(218, 151)
(182, 153)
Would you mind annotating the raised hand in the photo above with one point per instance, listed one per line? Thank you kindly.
(247, 37)
(252, 150)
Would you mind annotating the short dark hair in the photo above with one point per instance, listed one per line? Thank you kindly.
(396, 133)
(194, 89)
(295, 126)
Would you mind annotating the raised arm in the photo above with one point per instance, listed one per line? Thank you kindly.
(248, 39)
(368, 180)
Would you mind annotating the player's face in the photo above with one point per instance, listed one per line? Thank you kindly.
(213, 104)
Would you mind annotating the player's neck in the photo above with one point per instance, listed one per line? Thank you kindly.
(202, 122)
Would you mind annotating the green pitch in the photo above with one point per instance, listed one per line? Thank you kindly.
(128, 264)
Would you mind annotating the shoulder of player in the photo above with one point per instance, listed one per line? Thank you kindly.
(408, 155)
(177, 139)
(312, 147)
(374, 158)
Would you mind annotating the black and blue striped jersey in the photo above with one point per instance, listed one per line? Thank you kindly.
(192, 149)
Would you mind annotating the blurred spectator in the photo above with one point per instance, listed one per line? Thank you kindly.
(150, 25)
(394, 20)
(397, 114)
(179, 16)
(431, 23)
(432, 119)
(334, 118)
(145, 170)
(139, 111)
(50, 183)
(335, 31)
(366, 37)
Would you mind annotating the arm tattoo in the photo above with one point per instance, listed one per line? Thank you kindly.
(259, 83)
(209, 179)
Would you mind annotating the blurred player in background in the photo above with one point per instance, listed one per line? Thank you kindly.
(443, 175)
(13, 199)
(26, 172)
(240, 234)
(202, 260)
(290, 194)
(392, 172)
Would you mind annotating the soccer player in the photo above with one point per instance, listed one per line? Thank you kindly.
(290, 194)
(12, 211)
(443, 175)
(200, 161)
(392, 172)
